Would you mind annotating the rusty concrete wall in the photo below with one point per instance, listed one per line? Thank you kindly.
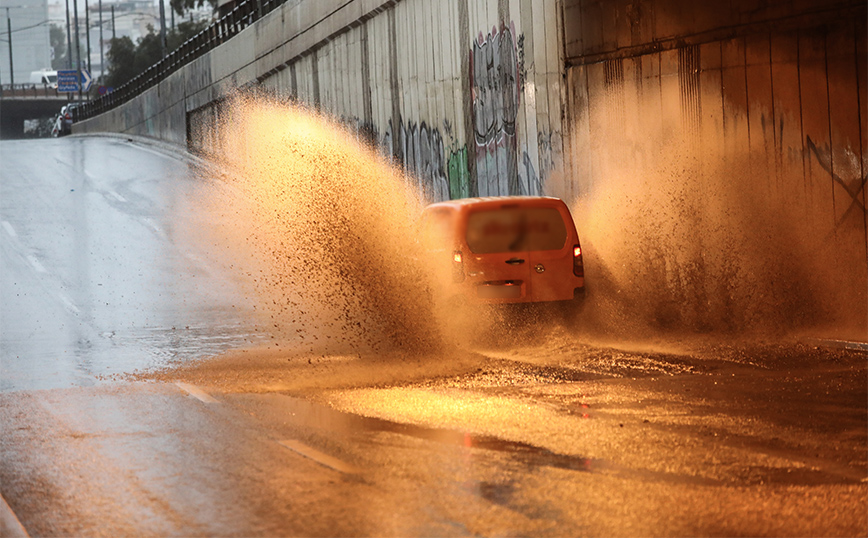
(723, 149)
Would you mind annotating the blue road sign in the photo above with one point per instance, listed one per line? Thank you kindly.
(67, 80)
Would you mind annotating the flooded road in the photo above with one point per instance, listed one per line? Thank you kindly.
(104, 266)
(147, 390)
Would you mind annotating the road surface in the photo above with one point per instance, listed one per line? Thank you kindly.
(142, 394)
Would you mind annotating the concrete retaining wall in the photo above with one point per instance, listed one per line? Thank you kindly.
(733, 138)
(729, 136)
(467, 94)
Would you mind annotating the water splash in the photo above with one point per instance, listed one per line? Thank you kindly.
(687, 227)
(326, 229)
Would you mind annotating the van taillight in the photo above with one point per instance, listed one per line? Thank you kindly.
(457, 266)
(578, 267)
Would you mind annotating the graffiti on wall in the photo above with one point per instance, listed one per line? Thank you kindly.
(534, 179)
(494, 87)
(423, 154)
(853, 187)
(442, 170)
(459, 174)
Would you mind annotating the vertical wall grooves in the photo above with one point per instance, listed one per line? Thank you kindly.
(368, 113)
(467, 102)
(688, 80)
(613, 73)
(314, 59)
(397, 139)
(832, 164)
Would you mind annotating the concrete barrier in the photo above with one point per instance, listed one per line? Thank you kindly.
(730, 137)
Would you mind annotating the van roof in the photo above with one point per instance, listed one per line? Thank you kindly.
(495, 201)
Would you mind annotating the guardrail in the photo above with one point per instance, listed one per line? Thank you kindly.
(34, 91)
(228, 26)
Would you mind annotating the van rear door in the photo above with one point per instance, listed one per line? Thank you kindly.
(498, 263)
(550, 238)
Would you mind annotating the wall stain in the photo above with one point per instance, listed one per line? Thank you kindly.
(853, 187)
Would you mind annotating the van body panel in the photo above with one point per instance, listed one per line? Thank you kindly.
(499, 276)
(45, 77)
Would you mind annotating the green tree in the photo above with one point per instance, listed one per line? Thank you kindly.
(57, 39)
(184, 31)
(126, 60)
(121, 58)
(149, 51)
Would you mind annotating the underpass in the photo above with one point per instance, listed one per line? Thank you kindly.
(16, 107)
(181, 355)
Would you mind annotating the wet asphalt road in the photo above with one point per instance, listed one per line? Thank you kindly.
(102, 273)
(109, 426)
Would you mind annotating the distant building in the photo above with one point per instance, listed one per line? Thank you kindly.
(31, 47)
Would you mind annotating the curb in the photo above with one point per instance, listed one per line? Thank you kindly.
(838, 344)
(169, 149)
(9, 525)
(178, 150)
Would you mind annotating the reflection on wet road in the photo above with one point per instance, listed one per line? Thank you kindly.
(105, 268)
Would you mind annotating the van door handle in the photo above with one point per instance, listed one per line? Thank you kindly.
(514, 261)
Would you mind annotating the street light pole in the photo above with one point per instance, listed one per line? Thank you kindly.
(68, 39)
(163, 28)
(77, 46)
(9, 29)
(87, 32)
(101, 61)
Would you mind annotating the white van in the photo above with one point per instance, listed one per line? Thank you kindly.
(45, 77)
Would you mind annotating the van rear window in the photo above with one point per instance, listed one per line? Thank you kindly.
(516, 230)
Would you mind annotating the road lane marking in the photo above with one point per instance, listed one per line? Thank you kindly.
(9, 524)
(69, 304)
(196, 392)
(117, 196)
(317, 456)
(36, 264)
(149, 222)
(9, 229)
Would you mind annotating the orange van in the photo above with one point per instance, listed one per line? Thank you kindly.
(515, 249)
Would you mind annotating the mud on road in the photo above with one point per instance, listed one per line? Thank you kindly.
(726, 438)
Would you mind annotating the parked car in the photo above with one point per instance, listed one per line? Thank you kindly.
(65, 119)
(506, 249)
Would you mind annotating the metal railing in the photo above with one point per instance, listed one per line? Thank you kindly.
(225, 28)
